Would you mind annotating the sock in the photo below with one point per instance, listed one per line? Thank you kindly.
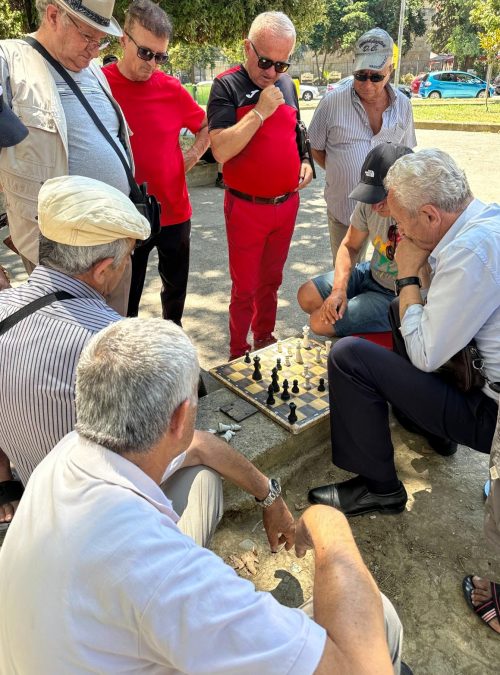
(384, 487)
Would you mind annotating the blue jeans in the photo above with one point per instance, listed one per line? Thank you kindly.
(368, 302)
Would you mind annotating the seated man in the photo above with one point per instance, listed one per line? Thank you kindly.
(459, 236)
(118, 586)
(348, 300)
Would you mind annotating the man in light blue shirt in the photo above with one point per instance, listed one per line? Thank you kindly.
(459, 237)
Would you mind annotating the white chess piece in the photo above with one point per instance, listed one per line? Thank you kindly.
(227, 436)
(307, 384)
(305, 337)
(228, 427)
(306, 371)
(328, 346)
(287, 360)
(318, 354)
(279, 345)
(298, 353)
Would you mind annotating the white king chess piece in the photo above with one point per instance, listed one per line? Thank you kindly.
(305, 337)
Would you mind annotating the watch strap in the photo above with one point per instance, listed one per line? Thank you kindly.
(406, 281)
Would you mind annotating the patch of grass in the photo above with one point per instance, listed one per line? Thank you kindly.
(443, 111)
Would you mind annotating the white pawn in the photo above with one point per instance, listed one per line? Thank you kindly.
(318, 354)
(306, 371)
(298, 353)
(228, 435)
(307, 384)
(305, 337)
(287, 360)
(228, 427)
(279, 345)
(328, 346)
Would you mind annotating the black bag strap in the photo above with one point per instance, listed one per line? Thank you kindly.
(31, 308)
(135, 192)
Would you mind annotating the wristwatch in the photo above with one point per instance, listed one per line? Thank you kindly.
(406, 281)
(274, 493)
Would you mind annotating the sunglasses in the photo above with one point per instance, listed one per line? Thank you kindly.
(376, 77)
(147, 54)
(265, 64)
(393, 236)
(91, 42)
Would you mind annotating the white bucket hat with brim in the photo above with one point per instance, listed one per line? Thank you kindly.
(95, 13)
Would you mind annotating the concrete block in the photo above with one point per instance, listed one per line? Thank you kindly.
(202, 174)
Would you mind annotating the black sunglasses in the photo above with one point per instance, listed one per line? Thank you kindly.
(393, 236)
(362, 77)
(265, 64)
(147, 54)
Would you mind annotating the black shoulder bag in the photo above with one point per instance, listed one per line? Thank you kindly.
(31, 308)
(147, 205)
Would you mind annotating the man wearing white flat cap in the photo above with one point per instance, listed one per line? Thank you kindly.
(351, 120)
(62, 137)
(87, 232)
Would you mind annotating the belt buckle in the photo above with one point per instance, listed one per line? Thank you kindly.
(278, 199)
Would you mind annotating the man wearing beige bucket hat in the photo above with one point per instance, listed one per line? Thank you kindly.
(62, 137)
(87, 231)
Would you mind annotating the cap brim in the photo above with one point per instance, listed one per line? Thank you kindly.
(368, 194)
(371, 61)
(12, 130)
(112, 29)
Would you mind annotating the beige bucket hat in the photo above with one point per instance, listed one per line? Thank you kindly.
(95, 13)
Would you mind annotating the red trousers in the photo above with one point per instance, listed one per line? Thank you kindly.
(258, 238)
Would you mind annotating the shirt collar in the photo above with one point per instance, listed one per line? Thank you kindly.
(389, 89)
(109, 467)
(475, 207)
(51, 280)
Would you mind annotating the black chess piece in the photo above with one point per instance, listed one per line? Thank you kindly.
(278, 364)
(274, 381)
(256, 375)
(247, 358)
(270, 397)
(292, 417)
(285, 394)
(321, 386)
(295, 388)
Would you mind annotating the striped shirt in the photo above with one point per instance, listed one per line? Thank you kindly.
(39, 357)
(340, 126)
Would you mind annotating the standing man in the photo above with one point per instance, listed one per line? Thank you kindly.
(157, 107)
(252, 113)
(353, 119)
(64, 139)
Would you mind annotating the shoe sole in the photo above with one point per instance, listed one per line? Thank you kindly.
(385, 510)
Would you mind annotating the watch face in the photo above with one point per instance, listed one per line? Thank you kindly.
(275, 485)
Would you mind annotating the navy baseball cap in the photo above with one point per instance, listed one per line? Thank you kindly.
(12, 130)
(370, 189)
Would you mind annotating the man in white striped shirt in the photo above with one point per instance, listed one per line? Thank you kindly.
(351, 120)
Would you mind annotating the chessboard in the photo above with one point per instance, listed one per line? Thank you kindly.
(311, 405)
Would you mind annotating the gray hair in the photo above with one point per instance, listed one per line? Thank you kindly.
(276, 23)
(131, 377)
(428, 177)
(74, 260)
(41, 7)
(150, 16)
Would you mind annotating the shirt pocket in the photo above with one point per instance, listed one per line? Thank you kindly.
(40, 146)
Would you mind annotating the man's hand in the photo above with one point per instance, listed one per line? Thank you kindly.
(279, 525)
(333, 308)
(303, 541)
(305, 175)
(270, 98)
(409, 258)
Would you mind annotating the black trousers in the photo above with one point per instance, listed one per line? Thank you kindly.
(173, 244)
(364, 378)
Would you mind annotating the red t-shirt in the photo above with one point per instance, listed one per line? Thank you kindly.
(156, 111)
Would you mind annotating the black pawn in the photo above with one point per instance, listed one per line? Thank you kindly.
(285, 394)
(295, 388)
(256, 375)
(247, 358)
(321, 386)
(278, 364)
(274, 381)
(292, 417)
(270, 397)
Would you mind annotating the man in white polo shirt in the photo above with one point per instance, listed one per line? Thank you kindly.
(119, 588)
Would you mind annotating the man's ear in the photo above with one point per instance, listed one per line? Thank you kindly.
(179, 419)
(431, 214)
(122, 41)
(100, 271)
(246, 46)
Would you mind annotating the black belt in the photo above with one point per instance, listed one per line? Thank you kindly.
(260, 200)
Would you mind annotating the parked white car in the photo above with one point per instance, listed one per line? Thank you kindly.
(308, 92)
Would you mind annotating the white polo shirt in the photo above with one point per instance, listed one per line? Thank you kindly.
(95, 577)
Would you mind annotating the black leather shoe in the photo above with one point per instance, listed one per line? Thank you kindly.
(443, 446)
(354, 499)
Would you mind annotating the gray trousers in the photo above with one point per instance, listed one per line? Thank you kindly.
(338, 231)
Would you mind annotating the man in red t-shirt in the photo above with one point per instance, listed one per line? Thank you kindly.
(157, 107)
(252, 115)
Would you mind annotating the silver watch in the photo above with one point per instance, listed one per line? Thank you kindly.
(274, 493)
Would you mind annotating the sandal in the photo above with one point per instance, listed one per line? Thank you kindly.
(490, 609)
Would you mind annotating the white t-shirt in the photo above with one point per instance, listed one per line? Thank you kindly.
(95, 577)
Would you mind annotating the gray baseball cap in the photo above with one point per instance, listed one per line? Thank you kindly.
(12, 130)
(373, 50)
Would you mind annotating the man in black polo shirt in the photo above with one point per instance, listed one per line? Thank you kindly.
(252, 116)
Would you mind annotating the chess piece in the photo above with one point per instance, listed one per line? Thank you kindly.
(228, 435)
(278, 364)
(305, 337)
(287, 360)
(256, 375)
(228, 427)
(274, 383)
(292, 417)
(298, 353)
(270, 395)
(247, 358)
(318, 354)
(306, 371)
(279, 345)
(295, 388)
(328, 346)
(321, 386)
(307, 384)
(285, 394)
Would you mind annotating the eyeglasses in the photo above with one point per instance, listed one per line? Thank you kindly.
(376, 77)
(91, 42)
(147, 54)
(394, 237)
(265, 64)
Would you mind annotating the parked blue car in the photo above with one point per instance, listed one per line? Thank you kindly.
(452, 84)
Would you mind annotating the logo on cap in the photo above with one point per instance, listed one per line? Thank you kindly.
(369, 173)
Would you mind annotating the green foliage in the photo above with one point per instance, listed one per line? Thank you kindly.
(183, 57)
(12, 22)
(453, 32)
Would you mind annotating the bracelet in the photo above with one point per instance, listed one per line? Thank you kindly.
(259, 116)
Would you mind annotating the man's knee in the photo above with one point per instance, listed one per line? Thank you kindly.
(345, 352)
(320, 327)
(308, 297)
